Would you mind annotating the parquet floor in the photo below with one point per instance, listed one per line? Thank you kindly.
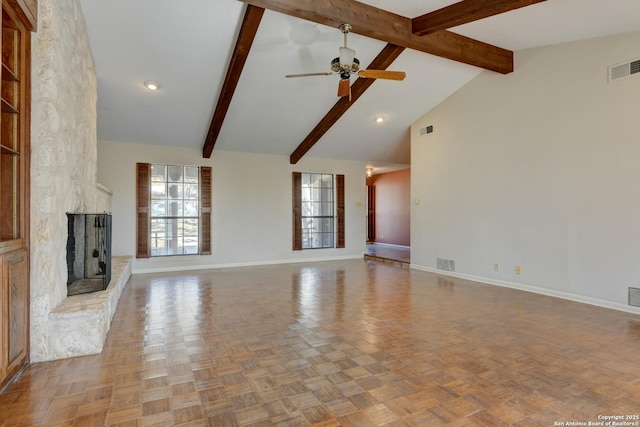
(349, 343)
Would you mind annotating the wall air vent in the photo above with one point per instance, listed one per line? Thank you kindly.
(624, 70)
(634, 297)
(446, 264)
(425, 130)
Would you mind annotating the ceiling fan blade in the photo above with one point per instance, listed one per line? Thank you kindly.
(343, 87)
(382, 74)
(326, 73)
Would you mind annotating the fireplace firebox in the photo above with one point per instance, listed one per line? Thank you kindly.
(88, 252)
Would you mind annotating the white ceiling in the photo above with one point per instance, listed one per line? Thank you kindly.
(186, 45)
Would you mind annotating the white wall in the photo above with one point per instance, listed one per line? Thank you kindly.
(539, 168)
(251, 214)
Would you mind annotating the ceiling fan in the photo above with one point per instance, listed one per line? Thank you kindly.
(347, 64)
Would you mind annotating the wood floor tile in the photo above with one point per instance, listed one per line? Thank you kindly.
(345, 343)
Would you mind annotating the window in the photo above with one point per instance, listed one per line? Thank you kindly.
(175, 196)
(318, 211)
(174, 210)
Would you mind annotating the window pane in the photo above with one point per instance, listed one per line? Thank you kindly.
(327, 182)
(158, 190)
(327, 194)
(191, 174)
(158, 208)
(174, 173)
(175, 208)
(175, 191)
(307, 223)
(191, 191)
(327, 209)
(158, 173)
(190, 208)
(191, 227)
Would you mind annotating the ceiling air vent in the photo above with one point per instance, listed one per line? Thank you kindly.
(425, 130)
(623, 70)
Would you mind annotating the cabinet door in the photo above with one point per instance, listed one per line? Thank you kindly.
(17, 282)
(14, 276)
(4, 312)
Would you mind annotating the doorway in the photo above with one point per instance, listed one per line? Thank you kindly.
(388, 214)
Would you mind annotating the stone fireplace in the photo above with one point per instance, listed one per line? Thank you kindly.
(63, 179)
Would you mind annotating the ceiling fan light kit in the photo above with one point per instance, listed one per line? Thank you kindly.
(347, 64)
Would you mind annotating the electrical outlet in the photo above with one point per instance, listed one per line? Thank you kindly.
(517, 269)
(496, 267)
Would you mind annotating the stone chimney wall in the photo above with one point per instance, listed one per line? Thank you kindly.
(63, 156)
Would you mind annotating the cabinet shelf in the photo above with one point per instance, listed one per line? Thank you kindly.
(11, 245)
(8, 75)
(8, 150)
(8, 108)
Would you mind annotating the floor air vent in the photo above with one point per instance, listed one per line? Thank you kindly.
(634, 297)
(624, 70)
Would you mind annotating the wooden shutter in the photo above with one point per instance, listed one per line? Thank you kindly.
(340, 211)
(297, 211)
(205, 210)
(143, 201)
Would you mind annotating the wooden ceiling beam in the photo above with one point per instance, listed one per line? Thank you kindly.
(464, 12)
(382, 25)
(248, 30)
(384, 59)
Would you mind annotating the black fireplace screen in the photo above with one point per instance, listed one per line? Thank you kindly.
(88, 253)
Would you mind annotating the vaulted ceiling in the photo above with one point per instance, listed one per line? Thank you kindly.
(220, 65)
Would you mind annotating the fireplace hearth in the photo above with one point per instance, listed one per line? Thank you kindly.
(88, 252)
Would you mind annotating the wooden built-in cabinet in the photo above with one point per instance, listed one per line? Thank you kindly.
(18, 19)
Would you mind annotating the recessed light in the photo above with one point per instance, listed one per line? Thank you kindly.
(151, 85)
(379, 119)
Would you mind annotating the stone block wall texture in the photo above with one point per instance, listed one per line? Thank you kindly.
(63, 155)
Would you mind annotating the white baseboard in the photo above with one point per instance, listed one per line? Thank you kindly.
(534, 289)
